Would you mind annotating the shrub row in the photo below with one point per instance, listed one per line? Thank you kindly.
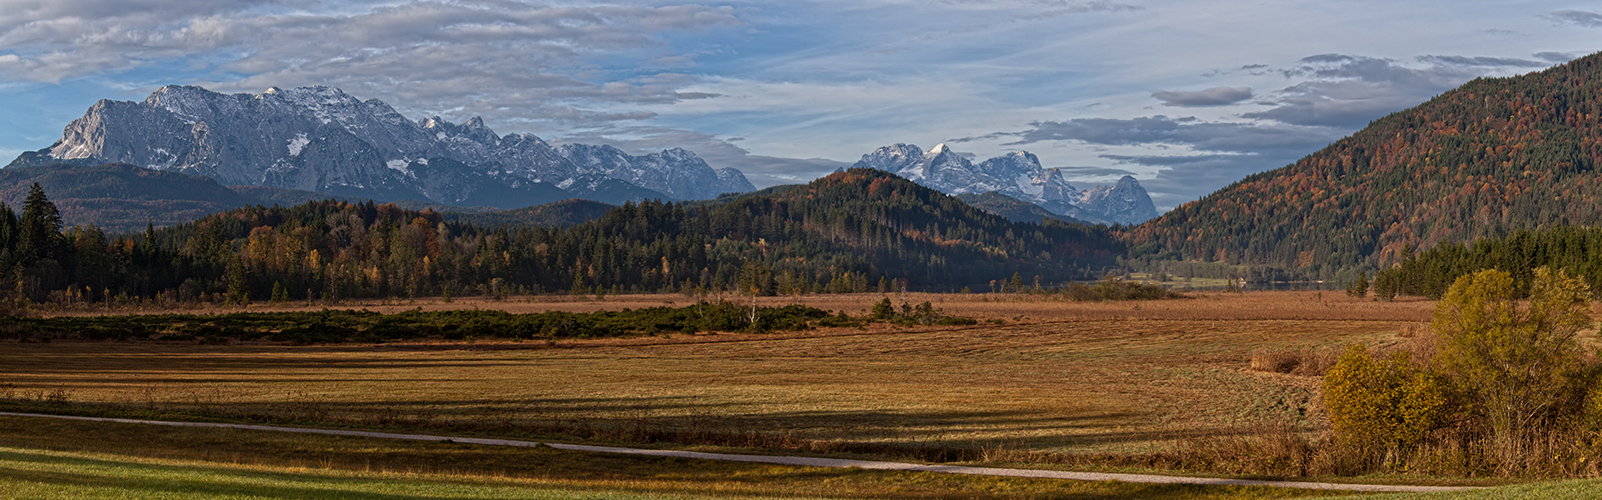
(328, 326)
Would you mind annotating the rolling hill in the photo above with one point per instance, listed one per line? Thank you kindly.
(121, 198)
(1492, 156)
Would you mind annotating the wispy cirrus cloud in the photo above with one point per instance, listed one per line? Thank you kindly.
(1583, 18)
(501, 59)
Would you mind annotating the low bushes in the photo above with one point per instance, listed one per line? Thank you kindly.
(1110, 289)
(921, 314)
(330, 326)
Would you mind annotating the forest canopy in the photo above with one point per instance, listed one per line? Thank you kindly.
(851, 231)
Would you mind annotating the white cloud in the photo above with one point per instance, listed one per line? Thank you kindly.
(1348, 91)
(1216, 96)
(1577, 17)
(502, 59)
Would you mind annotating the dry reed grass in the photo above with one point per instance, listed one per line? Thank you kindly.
(1307, 362)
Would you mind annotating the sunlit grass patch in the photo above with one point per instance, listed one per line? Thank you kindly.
(70, 459)
(1584, 489)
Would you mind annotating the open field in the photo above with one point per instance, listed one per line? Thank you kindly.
(55, 459)
(1055, 376)
(1039, 380)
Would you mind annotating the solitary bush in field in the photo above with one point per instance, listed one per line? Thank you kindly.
(884, 310)
(1383, 405)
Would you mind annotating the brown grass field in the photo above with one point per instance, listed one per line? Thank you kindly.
(53, 459)
(1053, 376)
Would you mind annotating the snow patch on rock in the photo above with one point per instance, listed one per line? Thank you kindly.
(299, 142)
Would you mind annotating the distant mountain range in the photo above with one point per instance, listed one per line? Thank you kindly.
(319, 139)
(1487, 159)
(1017, 175)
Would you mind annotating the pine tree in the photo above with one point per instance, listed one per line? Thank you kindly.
(280, 295)
(238, 284)
(40, 226)
(1358, 288)
(578, 287)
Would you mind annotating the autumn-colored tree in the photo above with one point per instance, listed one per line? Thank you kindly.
(1517, 363)
(1383, 404)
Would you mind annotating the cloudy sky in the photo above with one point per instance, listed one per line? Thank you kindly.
(1187, 96)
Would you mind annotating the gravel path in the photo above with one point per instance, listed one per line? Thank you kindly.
(801, 461)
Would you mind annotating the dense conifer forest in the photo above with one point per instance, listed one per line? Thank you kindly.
(1429, 273)
(1491, 157)
(857, 230)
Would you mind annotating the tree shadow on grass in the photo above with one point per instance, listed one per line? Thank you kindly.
(100, 476)
(683, 477)
(686, 420)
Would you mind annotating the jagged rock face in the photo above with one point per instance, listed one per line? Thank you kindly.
(893, 159)
(672, 171)
(1124, 203)
(321, 139)
(1018, 175)
(939, 168)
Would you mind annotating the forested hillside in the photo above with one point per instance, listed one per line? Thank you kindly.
(561, 213)
(1013, 209)
(849, 231)
(1490, 157)
(119, 197)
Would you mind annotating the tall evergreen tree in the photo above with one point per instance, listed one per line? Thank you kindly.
(40, 226)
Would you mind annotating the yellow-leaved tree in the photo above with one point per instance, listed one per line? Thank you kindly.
(1508, 376)
(1519, 365)
(1383, 405)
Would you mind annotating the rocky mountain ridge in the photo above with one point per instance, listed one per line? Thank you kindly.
(322, 139)
(1018, 175)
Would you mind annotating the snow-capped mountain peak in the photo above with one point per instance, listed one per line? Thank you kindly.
(321, 139)
(1124, 202)
(1017, 174)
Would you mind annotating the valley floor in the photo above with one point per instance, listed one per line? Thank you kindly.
(1039, 381)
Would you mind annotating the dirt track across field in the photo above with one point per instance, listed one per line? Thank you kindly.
(799, 461)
